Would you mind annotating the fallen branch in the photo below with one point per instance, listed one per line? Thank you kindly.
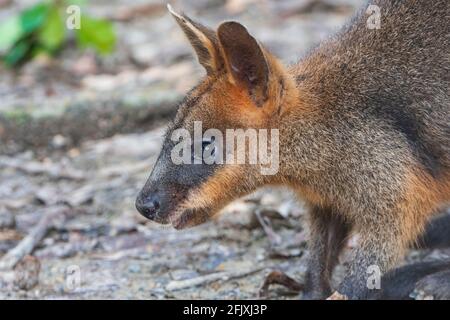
(222, 275)
(55, 215)
(278, 277)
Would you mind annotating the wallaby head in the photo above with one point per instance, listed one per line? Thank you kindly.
(244, 87)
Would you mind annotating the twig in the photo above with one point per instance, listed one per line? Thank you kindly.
(223, 275)
(274, 238)
(26, 245)
(278, 277)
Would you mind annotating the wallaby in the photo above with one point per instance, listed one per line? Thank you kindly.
(364, 134)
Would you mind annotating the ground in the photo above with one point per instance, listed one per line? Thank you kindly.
(79, 135)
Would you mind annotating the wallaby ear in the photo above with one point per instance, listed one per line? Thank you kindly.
(244, 60)
(202, 39)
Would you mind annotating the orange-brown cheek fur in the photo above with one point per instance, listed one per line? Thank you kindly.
(221, 188)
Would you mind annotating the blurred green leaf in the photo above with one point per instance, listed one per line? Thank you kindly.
(96, 33)
(17, 53)
(33, 18)
(10, 32)
(51, 35)
(41, 29)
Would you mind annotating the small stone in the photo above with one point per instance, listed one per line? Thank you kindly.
(27, 273)
(134, 268)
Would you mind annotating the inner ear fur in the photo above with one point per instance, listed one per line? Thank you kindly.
(203, 40)
(245, 60)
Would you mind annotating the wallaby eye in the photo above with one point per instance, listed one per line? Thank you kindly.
(208, 150)
(209, 147)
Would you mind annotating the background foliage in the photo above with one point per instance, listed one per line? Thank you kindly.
(42, 29)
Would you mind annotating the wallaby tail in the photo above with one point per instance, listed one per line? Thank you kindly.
(401, 283)
(431, 278)
(437, 233)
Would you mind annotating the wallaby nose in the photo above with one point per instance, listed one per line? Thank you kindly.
(148, 206)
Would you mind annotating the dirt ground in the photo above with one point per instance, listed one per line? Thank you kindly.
(82, 188)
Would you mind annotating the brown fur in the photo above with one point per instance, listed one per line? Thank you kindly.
(359, 141)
